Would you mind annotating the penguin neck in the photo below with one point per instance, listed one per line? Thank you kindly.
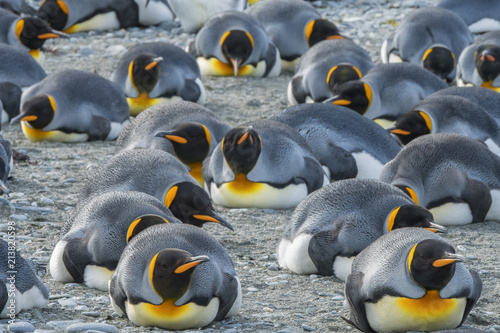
(489, 85)
(241, 184)
(196, 173)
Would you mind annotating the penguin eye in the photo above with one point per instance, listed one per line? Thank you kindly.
(165, 267)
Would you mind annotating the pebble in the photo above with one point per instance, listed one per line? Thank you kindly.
(68, 302)
(21, 326)
(115, 50)
(61, 325)
(308, 328)
(18, 217)
(90, 313)
(84, 327)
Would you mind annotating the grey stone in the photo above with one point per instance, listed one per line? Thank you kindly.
(83, 327)
(21, 326)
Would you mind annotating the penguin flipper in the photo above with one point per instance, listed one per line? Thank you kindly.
(190, 91)
(75, 258)
(340, 162)
(477, 287)
(117, 294)
(478, 197)
(3, 295)
(100, 128)
(322, 250)
(298, 91)
(313, 174)
(227, 296)
(206, 285)
(272, 60)
(353, 287)
(191, 49)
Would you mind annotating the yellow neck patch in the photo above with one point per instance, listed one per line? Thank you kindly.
(429, 306)
(196, 172)
(413, 195)
(19, 28)
(392, 217)
(208, 136)
(130, 76)
(369, 94)
(410, 256)
(171, 196)
(335, 67)
(63, 7)
(489, 85)
(141, 103)
(428, 121)
(241, 185)
(308, 30)
(168, 309)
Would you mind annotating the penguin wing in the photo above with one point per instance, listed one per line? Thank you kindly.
(3, 295)
(272, 59)
(75, 258)
(117, 292)
(297, 90)
(323, 249)
(227, 295)
(207, 284)
(356, 300)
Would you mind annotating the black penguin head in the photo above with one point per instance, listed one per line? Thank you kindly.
(321, 29)
(191, 141)
(440, 61)
(171, 272)
(236, 47)
(487, 59)
(144, 72)
(191, 204)
(410, 215)
(431, 263)
(37, 111)
(55, 13)
(33, 31)
(241, 148)
(340, 74)
(356, 95)
(411, 125)
(142, 223)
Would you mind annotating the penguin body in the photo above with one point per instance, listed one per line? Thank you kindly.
(481, 15)
(262, 164)
(326, 65)
(412, 275)
(18, 7)
(432, 38)
(93, 240)
(18, 67)
(234, 43)
(201, 288)
(73, 106)
(159, 174)
(194, 14)
(6, 163)
(152, 73)
(348, 144)
(454, 176)
(332, 225)
(141, 133)
(73, 16)
(10, 100)
(387, 91)
(20, 287)
(449, 114)
(294, 35)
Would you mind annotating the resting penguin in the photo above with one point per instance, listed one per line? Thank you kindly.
(175, 276)
(25, 33)
(262, 164)
(153, 73)
(73, 16)
(414, 276)
(457, 178)
(346, 143)
(432, 38)
(480, 15)
(185, 129)
(324, 67)
(448, 114)
(20, 287)
(332, 225)
(10, 100)
(234, 43)
(159, 174)
(73, 106)
(18, 67)
(94, 238)
(18, 7)
(387, 91)
(6, 164)
(302, 28)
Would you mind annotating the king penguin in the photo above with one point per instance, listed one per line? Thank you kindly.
(235, 43)
(293, 36)
(480, 16)
(262, 164)
(335, 223)
(18, 67)
(457, 178)
(20, 286)
(73, 106)
(387, 91)
(185, 129)
(153, 73)
(6, 164)
(93, 240)
(346, 143)
(324, 67)
(159, 174)
(432, 38)
(10, 101)
(175, 277)
(415, 276)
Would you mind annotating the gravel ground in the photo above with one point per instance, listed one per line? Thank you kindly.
(45, 190)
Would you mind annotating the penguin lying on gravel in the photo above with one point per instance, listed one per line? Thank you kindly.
(332, 225)
(6, 164)
(18, 67)
(175, 277)
(480, 15)
(412, 275)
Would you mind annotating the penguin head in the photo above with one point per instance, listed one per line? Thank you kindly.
(144, 72)
(241, 148)
(431, 263)
(340, 74)
(32, 32)
(191, 204)
(440, 61)
(37, 111)
(410, 215)
(356, 95)
(191, 141)
(320, 29)
(487, 59)
(143, 222)
(54, 12)
(171, 272)
(411, 125)
(236, 47)
(409, 191)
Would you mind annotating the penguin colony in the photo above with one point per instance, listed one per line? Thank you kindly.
(372, 173)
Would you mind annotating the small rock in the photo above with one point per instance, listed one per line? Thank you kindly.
(70, 181)
(252, 289)
(90, 313)
(61, 325)
(84, 327)
(21, 326)
(308, 328)
(46, 201)
(115, 50)
(338, 298)
(68, 302)
(18, 217)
